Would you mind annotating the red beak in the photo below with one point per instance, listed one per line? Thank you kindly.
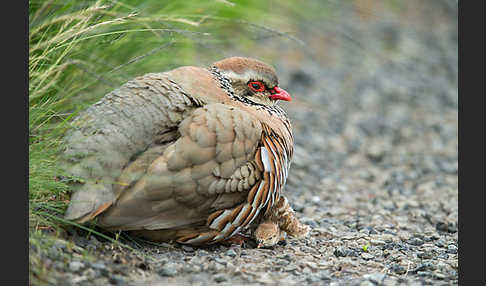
(280, 94)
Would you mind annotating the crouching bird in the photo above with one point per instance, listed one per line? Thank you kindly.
(193, 155)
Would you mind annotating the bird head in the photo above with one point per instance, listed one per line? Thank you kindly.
(252, 81)
(267, 234)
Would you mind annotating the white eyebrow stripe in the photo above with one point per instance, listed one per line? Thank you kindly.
(247, 76)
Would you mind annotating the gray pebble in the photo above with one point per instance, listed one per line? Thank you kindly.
(54, 253)
(282, 262)
(221, 261)
(98, 265)
(187, 248)
(367, 256)
(443, 255)
(102, 281)
(425, 255)
(423, 273)
(439, 276)
(390, 282)
(365, 283)
(415, 241)
(289, 257)
(220, 277)
(169, 270)
(398, 269)
(440, 242)
(340, 252)
(59, 244)
(452, 249)
(117, 280)
(89, 273)
(442, 226)
(202, 252)
(312, 223)
(217, 267)
(231, 253)
(75, 266)
(377, 242)
(377, 277)
(313, 279)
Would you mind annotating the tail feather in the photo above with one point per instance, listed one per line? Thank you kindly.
(89, 201)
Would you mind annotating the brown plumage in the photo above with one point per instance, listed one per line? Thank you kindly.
(268, 233)
(193, 155)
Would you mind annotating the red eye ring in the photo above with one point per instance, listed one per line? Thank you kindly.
(256, 86)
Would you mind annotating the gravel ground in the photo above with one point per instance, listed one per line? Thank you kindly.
(375, 116)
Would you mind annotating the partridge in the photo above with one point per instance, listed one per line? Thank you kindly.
(194, 155)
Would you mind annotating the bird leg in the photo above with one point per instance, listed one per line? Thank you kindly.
(284, 215)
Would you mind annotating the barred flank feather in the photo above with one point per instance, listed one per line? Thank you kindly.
(272, 160)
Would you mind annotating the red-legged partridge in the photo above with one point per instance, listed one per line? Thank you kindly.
(193, 155)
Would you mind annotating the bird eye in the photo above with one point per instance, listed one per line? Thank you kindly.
(256, 86)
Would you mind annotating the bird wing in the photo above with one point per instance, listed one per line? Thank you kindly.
(226, 167)
(110, 133)
(210, 167)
